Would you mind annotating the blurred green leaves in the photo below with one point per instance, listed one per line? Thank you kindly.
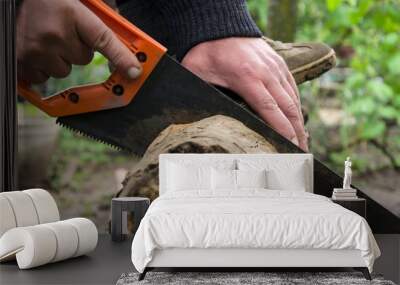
(371, 129)
(97, 71)
(393, 64)
(366, 37)
(332, 5)
(374, 85)
(84, 149)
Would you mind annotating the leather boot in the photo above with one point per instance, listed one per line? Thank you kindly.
(306, 61)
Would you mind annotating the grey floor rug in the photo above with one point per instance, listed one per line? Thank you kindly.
(244, 278)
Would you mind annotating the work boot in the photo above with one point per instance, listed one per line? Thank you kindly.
(306, 61)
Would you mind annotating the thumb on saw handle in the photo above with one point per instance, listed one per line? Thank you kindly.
(117, 90)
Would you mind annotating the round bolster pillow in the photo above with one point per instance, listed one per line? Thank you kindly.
(45, 205)
(23, 208)
(26, 208)
(87, 235)
(7, 219)
(40, 244)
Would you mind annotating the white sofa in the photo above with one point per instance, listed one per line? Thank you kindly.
(31, 231)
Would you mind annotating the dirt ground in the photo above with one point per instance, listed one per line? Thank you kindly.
(93, 200)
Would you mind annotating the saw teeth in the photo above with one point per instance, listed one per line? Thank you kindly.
(82, 133)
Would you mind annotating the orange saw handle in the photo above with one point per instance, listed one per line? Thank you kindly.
(116, 91)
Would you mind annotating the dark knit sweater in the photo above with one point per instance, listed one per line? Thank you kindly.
(181, 24)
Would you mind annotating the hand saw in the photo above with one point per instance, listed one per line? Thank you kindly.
(131, 114)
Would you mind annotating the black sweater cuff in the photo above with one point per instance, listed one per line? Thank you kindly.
(190, 22)
(196, 21)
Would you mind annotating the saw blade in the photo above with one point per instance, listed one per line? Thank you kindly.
(171, 95)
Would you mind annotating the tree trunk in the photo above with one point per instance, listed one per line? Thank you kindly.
(282, 20)
(217, 134)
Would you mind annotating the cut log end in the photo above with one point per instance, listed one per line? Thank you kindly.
(217, 134)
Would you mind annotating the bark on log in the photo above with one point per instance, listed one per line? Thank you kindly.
(217, 134)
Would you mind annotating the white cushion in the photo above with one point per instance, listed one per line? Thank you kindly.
(288, 175)
(7, 218)
(284, 163)
(32, 246)
(295, 181)
(181, 178)
(45, 205)
(87, 233)
(67, 237)
(23, 208)
(231, 180)
(251, 178)
(26, 208)
(188, 160)
(206, 162)
(40, 244)
(223, 179)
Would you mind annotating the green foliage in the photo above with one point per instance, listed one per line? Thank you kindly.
(259, 11)
(30, 111)
(80, 157)
(82, 148)
(332, 5)
(95, 72)
(366, 36)
(371, 94)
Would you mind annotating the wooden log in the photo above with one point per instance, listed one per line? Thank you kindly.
(217, 134)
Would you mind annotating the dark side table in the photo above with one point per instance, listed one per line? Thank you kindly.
(122, 210)
(357, 205)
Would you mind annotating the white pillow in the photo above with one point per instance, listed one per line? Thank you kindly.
(281, 174)
(224, 179)
(182, 178)
(295, 181)
(251, 178)
(205, 162)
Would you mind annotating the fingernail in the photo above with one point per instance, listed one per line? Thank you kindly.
(134, 72)
(295, 141)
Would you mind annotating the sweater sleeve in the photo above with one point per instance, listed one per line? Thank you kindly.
(182, 24)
